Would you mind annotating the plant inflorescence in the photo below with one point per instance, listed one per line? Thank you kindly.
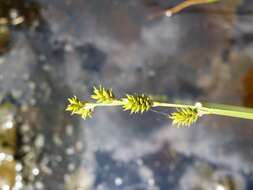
(185, 114)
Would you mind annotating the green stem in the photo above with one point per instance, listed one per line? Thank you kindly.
(206, 108)
(171, 105)
(213, 1)
(227, 110)
(113, 103)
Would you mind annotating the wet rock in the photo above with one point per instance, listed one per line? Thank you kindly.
(25, 11)
(4, 38)
(205, 177)
(8, 145)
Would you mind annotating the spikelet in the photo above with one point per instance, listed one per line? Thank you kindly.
(184, 117)
(102, 95)
(137, 103)
(75, 106)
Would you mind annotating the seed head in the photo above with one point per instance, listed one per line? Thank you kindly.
(102, 95)
(75, 106)
(184, 117)
(137, 103)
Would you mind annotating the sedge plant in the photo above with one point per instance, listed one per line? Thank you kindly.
(185, 114)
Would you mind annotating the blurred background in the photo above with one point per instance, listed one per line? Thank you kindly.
(53, 49)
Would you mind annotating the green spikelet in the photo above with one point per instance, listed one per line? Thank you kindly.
(102, 95)
(137, 103)
(75, 106)
(184, 117)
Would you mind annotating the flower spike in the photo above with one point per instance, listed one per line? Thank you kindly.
(184, 117)
(75, 106)
(102, 95)
(137, 103)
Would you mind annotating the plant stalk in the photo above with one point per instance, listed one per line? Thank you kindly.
(206, 108)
